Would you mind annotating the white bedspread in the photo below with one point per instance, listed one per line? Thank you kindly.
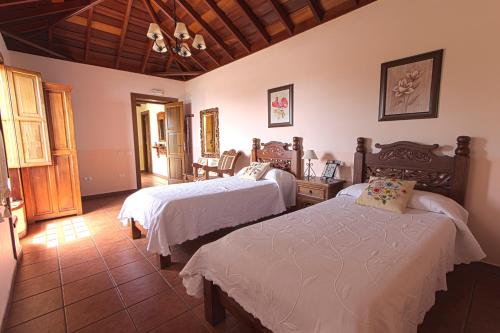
(336, 267)
(173, 214)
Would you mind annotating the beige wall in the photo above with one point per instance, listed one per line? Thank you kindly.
(336, 71)
(7, 262)
(103, 117)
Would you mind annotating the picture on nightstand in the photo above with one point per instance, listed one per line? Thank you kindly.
(330, 170)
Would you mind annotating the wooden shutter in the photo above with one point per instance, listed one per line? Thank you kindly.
(174, 114)
(9, 130)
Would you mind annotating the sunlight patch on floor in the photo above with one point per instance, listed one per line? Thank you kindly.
(63, 232)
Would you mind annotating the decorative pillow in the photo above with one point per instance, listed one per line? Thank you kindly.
(387, 193)
(255, 171)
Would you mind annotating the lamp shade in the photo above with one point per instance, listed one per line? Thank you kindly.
(159, 46)
(199, 42)
(310, 155)
(154, 32)
(184, 50)
(181, 31)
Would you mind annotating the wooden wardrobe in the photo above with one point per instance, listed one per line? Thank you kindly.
(38, 124)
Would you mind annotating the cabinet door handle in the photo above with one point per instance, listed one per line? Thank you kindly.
(310, 191)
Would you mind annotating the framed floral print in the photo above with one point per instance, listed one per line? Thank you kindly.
(280, 106)
(409, 87)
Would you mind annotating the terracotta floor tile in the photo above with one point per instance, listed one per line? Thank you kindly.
(34, 270)
(92, 309)
(34, 306)
(89, 286)
(190, 300)
(186, 322)
(79, 245)
(131, 271)
(139, 289)
(114, 247)
(123, 257)
(36, 285)
(119, 322)
(82, 270)
(78, 257)
(156, 310)
(52, 322)
(171, 273)
(107, 236)
(35, 257)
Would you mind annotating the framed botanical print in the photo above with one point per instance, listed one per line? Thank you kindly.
(409, 87)
(280, 106)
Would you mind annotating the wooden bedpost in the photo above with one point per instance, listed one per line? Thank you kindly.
(359, 161)
(297, 158)
(136, 232)
(255, 147)
(214, 310)
(165, 261)
(461, 169)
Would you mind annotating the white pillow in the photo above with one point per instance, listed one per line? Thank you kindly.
(353, 190)
(437, 203)
(255, 171)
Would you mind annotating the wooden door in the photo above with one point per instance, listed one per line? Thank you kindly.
(176, 162)
(146, 141)
(29, 117)
(54, 190)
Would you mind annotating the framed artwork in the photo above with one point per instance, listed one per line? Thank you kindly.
(409, 87)
(330, 170)
(280, 106)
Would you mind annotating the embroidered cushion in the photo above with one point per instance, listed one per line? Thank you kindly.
(387, 193)
(226, 162)
(255, 171)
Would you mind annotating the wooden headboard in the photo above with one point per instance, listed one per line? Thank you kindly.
(445, 175)
(279, 155)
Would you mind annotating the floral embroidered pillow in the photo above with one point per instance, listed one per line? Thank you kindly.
(387, 193)
(255, 170)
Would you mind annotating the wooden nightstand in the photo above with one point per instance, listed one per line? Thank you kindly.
(310, 192)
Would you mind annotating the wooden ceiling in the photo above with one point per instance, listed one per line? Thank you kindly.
(112, 33)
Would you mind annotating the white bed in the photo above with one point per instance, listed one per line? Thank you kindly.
(338, 266)
(173, 214)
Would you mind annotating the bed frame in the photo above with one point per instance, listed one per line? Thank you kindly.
(446, 175)
(275, 152)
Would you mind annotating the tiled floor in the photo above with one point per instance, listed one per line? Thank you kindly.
(149, 179)
(85, 274)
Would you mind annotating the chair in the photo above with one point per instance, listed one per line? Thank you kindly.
(226, 165)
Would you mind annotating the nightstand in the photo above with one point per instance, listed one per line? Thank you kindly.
(314, 190)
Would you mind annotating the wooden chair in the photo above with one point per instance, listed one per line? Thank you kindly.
(226, 165)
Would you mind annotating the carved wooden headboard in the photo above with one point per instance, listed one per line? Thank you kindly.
(279, 155)
(446, 175)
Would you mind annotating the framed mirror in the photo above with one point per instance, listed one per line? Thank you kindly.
(209, 128)
(160, 118)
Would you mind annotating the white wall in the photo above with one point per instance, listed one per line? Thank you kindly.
(7, 262)
(335, 68)
(103, 117)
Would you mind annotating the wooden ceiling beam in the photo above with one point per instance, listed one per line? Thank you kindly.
(88, 33)
(169, 14)
(89, 4)
(31, 12)
(146, 56)
(316, 10)
(254, 20)
(283, 16)
(229, 25)
(14, 3)
(192, 73)
(34, 45)
(168, 63)
(191, 12)
(124, 32)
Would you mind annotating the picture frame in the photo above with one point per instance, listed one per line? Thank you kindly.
(280, 106)
(409, 87)
(330, 169)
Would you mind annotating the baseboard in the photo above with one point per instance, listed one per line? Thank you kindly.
(107, 194)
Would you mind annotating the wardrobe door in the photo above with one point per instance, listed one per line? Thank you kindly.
(54, 191)
(29, 118)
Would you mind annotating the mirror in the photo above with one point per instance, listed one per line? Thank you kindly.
(160, 118)
(209, 126)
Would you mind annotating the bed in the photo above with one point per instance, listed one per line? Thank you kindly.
(341, 267)
(173, 214)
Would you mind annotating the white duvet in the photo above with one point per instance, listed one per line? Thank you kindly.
(339, 267)
(173, 214)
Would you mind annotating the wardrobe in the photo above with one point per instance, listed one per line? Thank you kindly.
(37, 121)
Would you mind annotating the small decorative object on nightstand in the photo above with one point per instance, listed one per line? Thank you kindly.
(315, 190)
(309, 155)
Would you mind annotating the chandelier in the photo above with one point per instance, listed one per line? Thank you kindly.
(181, 35)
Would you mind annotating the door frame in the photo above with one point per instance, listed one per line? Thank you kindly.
(146, 141)
(136, 98)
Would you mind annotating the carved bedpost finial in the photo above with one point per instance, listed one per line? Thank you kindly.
(296, 143)
(360, 148)
(463, 146)
(256, 143)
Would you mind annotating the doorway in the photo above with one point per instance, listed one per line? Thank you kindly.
(159, 144)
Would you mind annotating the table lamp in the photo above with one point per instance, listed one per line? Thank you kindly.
(309, 155)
